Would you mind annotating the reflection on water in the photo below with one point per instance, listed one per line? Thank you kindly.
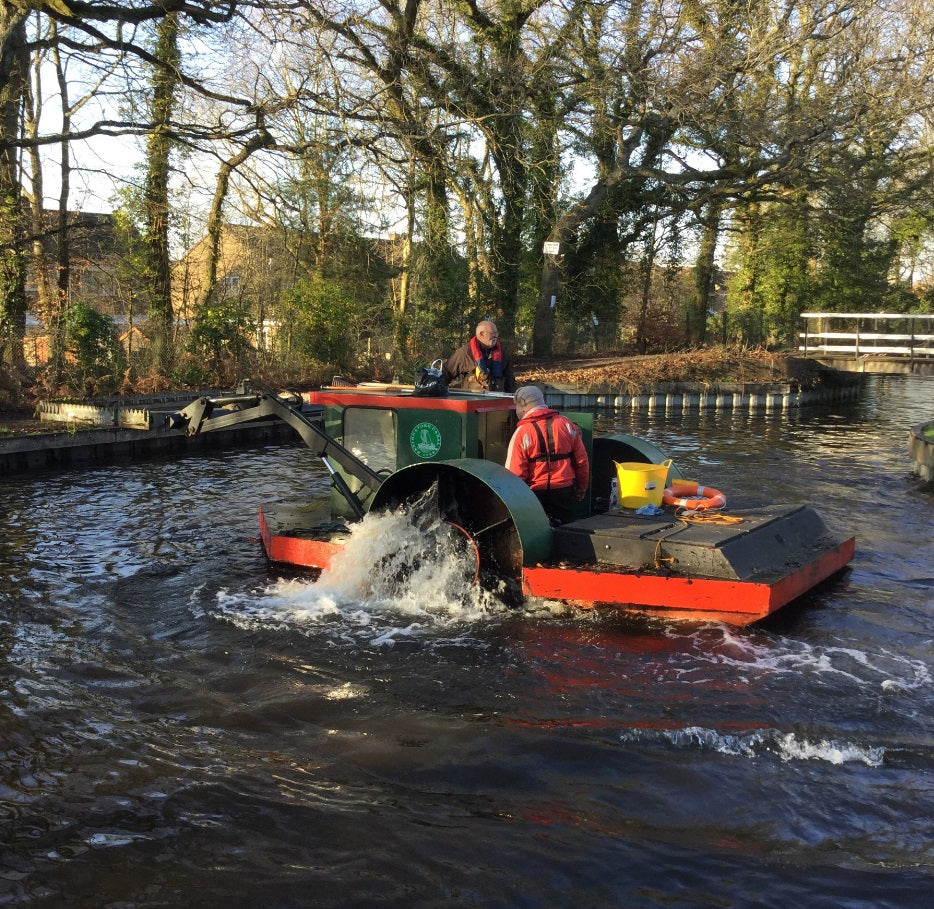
(180, 726)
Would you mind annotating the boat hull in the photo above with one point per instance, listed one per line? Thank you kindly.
(765, 564)
(734, 601)
(300, 535)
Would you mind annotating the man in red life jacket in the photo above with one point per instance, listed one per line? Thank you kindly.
(481, 364)
(547, 451)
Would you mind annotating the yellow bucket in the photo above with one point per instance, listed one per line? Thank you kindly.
(641, 484)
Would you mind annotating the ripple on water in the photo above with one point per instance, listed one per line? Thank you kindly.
(177, 720)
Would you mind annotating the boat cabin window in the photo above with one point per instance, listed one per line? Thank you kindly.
(370, 433)
(494, 430)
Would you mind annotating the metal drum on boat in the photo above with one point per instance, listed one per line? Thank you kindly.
(499, 512)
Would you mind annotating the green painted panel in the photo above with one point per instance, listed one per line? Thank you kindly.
(584, 507)
(429, 435)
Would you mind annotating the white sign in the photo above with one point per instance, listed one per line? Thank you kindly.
(551, 248)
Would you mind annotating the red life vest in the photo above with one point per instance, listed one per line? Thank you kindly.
(548, 453)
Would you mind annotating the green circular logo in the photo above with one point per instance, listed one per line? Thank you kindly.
(425, 440)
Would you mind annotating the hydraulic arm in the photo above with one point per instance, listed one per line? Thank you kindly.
(200, 416)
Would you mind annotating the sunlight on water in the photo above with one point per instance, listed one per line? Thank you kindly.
(399, 575)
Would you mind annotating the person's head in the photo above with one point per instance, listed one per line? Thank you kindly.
(528, 398)
(486, 333)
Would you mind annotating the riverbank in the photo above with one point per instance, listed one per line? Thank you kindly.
(32, 451)
(63, 434)
(704, 367)
(714, 378)
(706, 371)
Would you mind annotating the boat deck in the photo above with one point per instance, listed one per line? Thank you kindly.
(758, 543)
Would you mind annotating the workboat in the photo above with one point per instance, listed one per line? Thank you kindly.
(389, 446)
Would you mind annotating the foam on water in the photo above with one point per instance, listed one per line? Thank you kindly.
(753, 658)
(787, 746)
(401, 574)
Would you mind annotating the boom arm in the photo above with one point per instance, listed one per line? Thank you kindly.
(196, 418)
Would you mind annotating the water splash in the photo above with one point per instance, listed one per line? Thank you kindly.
(401, 574)
(787, 746)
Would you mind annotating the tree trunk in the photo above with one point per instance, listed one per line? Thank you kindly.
(696, 321)
(549, 289)
(14, 70)
(156, 194)
(63, 270)
(215, 222)
(509, 249)
(648, 272)
(45, 297)
(401, 315)
(63, 282)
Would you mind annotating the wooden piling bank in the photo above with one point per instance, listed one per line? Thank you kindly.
(107, 432)
(676, 397)
(90, 447)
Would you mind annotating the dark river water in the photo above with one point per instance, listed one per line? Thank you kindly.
(181, 726)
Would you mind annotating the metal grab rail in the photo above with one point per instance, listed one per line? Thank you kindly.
(842, 333)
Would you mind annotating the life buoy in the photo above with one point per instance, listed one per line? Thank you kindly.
(694, 497)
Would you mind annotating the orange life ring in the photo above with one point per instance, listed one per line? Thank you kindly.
(701, 498)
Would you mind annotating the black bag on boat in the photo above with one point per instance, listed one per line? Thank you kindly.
(428, 382)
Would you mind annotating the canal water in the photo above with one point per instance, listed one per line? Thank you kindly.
(181, 726)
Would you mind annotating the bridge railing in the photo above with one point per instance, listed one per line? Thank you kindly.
(861, 334)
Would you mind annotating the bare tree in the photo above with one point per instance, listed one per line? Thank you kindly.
(14, 88)
(92, 28)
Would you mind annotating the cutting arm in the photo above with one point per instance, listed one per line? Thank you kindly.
(207, 414)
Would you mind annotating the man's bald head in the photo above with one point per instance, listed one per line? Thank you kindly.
(486, 333)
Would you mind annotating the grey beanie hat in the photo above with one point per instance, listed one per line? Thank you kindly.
(528, 398)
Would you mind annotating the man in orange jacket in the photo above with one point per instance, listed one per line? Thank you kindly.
(547, 451)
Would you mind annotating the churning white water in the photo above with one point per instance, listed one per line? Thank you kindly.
(401, 573)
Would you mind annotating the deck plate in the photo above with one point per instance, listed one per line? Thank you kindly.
(768, 543)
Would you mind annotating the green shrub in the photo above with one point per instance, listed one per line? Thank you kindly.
(325, 321)
(93, 355)
(220, 337)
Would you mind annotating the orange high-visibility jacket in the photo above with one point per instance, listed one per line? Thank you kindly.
(563, 464)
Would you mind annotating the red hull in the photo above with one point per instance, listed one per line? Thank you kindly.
(736, 602)
(297, 551)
